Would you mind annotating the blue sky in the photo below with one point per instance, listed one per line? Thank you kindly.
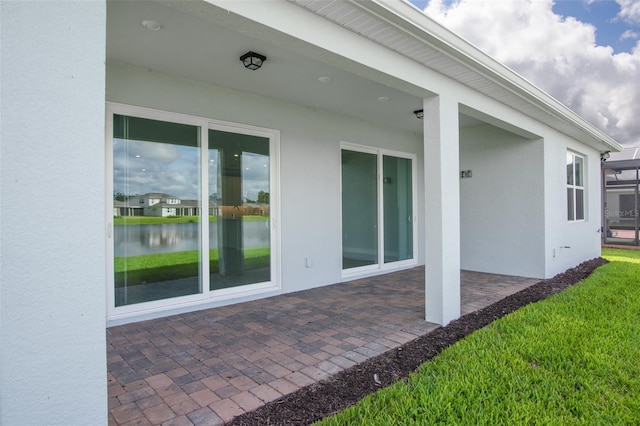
(603, 15)
(585, 53)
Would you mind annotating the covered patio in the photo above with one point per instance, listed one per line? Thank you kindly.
(209, 366)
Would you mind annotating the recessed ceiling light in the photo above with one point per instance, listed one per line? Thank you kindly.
(324, 79)
(383, 98)
(151, 25)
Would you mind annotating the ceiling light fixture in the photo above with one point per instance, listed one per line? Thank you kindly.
(252, 60)
(419, 113)
(152, 25)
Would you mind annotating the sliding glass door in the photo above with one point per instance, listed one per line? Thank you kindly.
(397, 190)
(377, 208)
(359, 209)
(191, 201)
(156, 169)
(239, 236)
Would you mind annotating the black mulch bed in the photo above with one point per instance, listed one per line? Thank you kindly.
(349, 386)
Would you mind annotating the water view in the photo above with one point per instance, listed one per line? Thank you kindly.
(134, 240)
(157, 182)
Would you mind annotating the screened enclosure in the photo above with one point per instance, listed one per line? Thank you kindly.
(621, 177)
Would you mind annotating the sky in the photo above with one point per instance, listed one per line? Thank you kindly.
(141, 167)
(585, 53)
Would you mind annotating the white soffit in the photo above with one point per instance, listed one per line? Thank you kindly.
(401, 27)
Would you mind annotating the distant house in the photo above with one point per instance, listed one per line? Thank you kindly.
(120, 209)
(155, 204)
(256, 209)
(384, 141)
(188, 208)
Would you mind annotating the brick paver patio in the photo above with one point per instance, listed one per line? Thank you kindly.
(206, 367)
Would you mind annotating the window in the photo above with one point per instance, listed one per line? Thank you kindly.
(575, 187)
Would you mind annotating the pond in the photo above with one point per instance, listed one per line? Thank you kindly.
(133, 240)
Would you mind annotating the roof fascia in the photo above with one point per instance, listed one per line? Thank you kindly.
(411, 20)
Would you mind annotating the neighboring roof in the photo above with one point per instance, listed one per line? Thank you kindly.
(129, 206)
(629, 153)
(620, 168)
(163, 205)
(401, 27)
(156, 195)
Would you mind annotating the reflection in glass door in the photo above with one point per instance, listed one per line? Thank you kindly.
(239, 185)
(377, 209)
(156, 170)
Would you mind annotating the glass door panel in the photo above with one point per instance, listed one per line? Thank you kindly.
(398, 208)
(359, 209)
(156, 175)
(239, 213)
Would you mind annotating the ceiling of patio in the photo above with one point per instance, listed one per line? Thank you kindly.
(206, 47)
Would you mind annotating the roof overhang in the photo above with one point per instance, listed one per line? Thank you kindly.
(403, 28)
(297, 57)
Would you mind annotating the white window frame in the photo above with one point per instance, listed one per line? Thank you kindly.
(382, 267)
(206, 297)
(574, 187)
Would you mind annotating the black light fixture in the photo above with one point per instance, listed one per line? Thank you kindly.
(419, 113)
(252, 60)
(604, 156)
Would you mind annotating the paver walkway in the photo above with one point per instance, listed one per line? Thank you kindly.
(209, 366)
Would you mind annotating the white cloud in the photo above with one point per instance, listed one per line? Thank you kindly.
(629, 34)
(629, 11)
(141, 167)
(557, 54)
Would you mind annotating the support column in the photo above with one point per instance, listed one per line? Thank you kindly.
(442, 210)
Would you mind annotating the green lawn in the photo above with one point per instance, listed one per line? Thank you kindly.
(572, 359)
(150, 220)
(150, 268)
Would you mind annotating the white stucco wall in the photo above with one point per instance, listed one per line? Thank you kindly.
(570, 243)
(52, 294)
(502, 204)
(309, 160)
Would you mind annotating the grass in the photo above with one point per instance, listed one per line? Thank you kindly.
(571, 359)
(150, 220)
(150, 268)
